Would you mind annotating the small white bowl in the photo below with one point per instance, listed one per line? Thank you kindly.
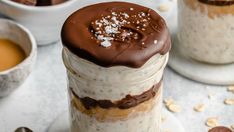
(45, 22)
(12, 78)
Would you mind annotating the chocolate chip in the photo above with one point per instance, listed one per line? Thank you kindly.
(89, 102)
(220, 129)
(23, 129)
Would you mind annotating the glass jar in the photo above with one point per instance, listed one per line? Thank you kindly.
(109, 99)
(206, 30)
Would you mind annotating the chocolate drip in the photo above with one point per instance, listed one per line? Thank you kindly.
(218, 2)
(127, 102)
(116, 33)
(220, 129)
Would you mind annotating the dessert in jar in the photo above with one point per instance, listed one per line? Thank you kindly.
(206, 30)
(115, 54)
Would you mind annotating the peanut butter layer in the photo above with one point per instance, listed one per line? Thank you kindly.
(213, 9)
(114, 114)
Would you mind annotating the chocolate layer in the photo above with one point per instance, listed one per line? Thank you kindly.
(220, 129)
(127, 102)
(218, 2)
(116, 33)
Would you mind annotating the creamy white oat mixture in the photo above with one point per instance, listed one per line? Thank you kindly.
(114, 83)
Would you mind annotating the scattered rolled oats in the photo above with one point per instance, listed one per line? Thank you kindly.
(199, 108)
(174, 108)
(171, 106)
(212, 122)
(229, 101)
(168, 101)
(231, 89)
(164, 7)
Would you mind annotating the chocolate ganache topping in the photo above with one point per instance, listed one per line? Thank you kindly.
(116, 33)
(220, 129)
(218, 2)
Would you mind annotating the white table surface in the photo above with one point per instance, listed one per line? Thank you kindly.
(43, 97)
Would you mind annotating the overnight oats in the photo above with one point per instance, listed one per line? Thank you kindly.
(206, 30)
(115, 54)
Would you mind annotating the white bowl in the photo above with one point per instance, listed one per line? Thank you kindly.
(12, 78)
(44, 22)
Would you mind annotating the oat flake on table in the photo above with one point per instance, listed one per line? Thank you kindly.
(212, 122)
(229, 101)
(199, 108)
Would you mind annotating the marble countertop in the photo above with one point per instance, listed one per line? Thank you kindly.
(44, 96)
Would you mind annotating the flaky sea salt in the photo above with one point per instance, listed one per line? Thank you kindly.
(106, 43)
(142, 14)
(105, 21)
(126, 15)
(102, 38)
(155, 41)
(114, 13)
(110, 30)
(99, 24)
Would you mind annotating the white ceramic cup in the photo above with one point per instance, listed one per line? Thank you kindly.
(44, 22)
(12, 78)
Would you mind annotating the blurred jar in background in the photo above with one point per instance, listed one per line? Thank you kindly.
(206, 30)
